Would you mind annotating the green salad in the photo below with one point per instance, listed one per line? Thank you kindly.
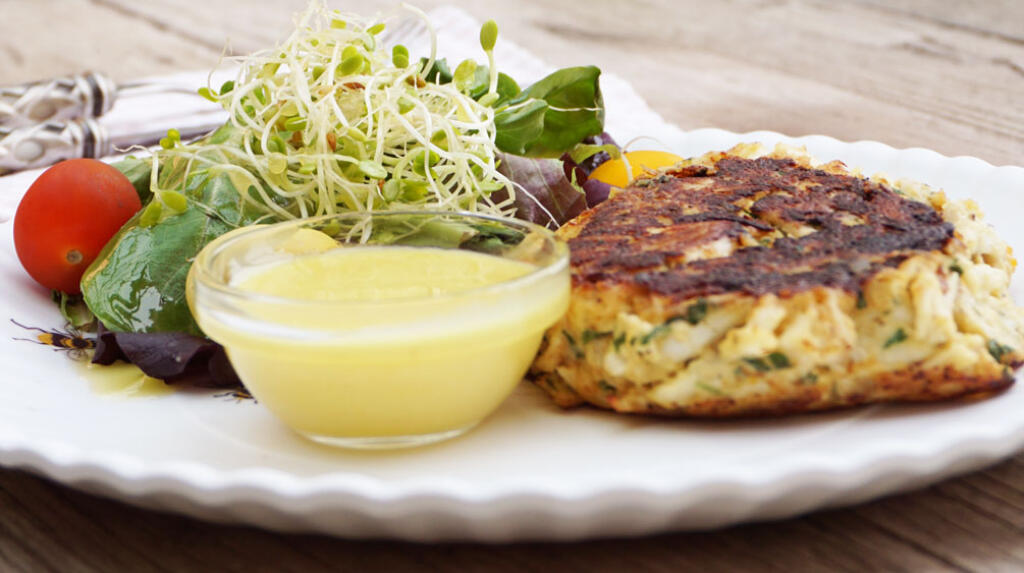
(333, 120)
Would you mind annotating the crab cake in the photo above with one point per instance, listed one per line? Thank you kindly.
(747, 282)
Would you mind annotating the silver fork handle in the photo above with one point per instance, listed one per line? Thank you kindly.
(58, 99)
(44, 144)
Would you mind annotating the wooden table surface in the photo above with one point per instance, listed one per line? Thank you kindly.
(942, 74)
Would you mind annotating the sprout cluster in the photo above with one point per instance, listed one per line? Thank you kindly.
(332, 121)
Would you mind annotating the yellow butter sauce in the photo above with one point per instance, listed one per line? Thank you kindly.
(381, 341)
(121, 379)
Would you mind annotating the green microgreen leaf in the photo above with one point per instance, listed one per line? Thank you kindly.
(151, 214)
(174, 200)
(405, 105)
(400, 56)
(464, 74)
(295, 123)
(488, 35)
(351, 65)
(206, 93)
(372, 169)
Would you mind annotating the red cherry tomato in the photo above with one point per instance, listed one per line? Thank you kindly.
(66, 217)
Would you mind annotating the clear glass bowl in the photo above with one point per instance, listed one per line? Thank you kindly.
(414, 337)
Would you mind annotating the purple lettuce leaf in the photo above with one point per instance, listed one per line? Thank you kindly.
(553, 191)
(544, 195)
(595, 191)
(174, 357)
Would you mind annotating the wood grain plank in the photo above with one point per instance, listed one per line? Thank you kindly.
(234, 27)
(859, 78)
(48, 43)
(995, 499)
(893, 77)
(1000, 18)
(837, 540)
(954, 529)
(35, 517)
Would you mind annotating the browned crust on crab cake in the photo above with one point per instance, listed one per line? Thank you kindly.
(746, 283)
(639, 236)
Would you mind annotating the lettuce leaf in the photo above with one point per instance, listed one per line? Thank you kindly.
(137, 283)
(174, 357)
(553, 115)
(544, 195)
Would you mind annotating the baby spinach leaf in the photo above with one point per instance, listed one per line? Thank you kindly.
(439, 72)
(573, 110)
(548, 118)
(137, 284)
(506, 89)
(137, 171)
(519, 125)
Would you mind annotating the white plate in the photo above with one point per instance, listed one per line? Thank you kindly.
(531, 471)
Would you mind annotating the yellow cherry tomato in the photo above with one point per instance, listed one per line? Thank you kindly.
(615, 173)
